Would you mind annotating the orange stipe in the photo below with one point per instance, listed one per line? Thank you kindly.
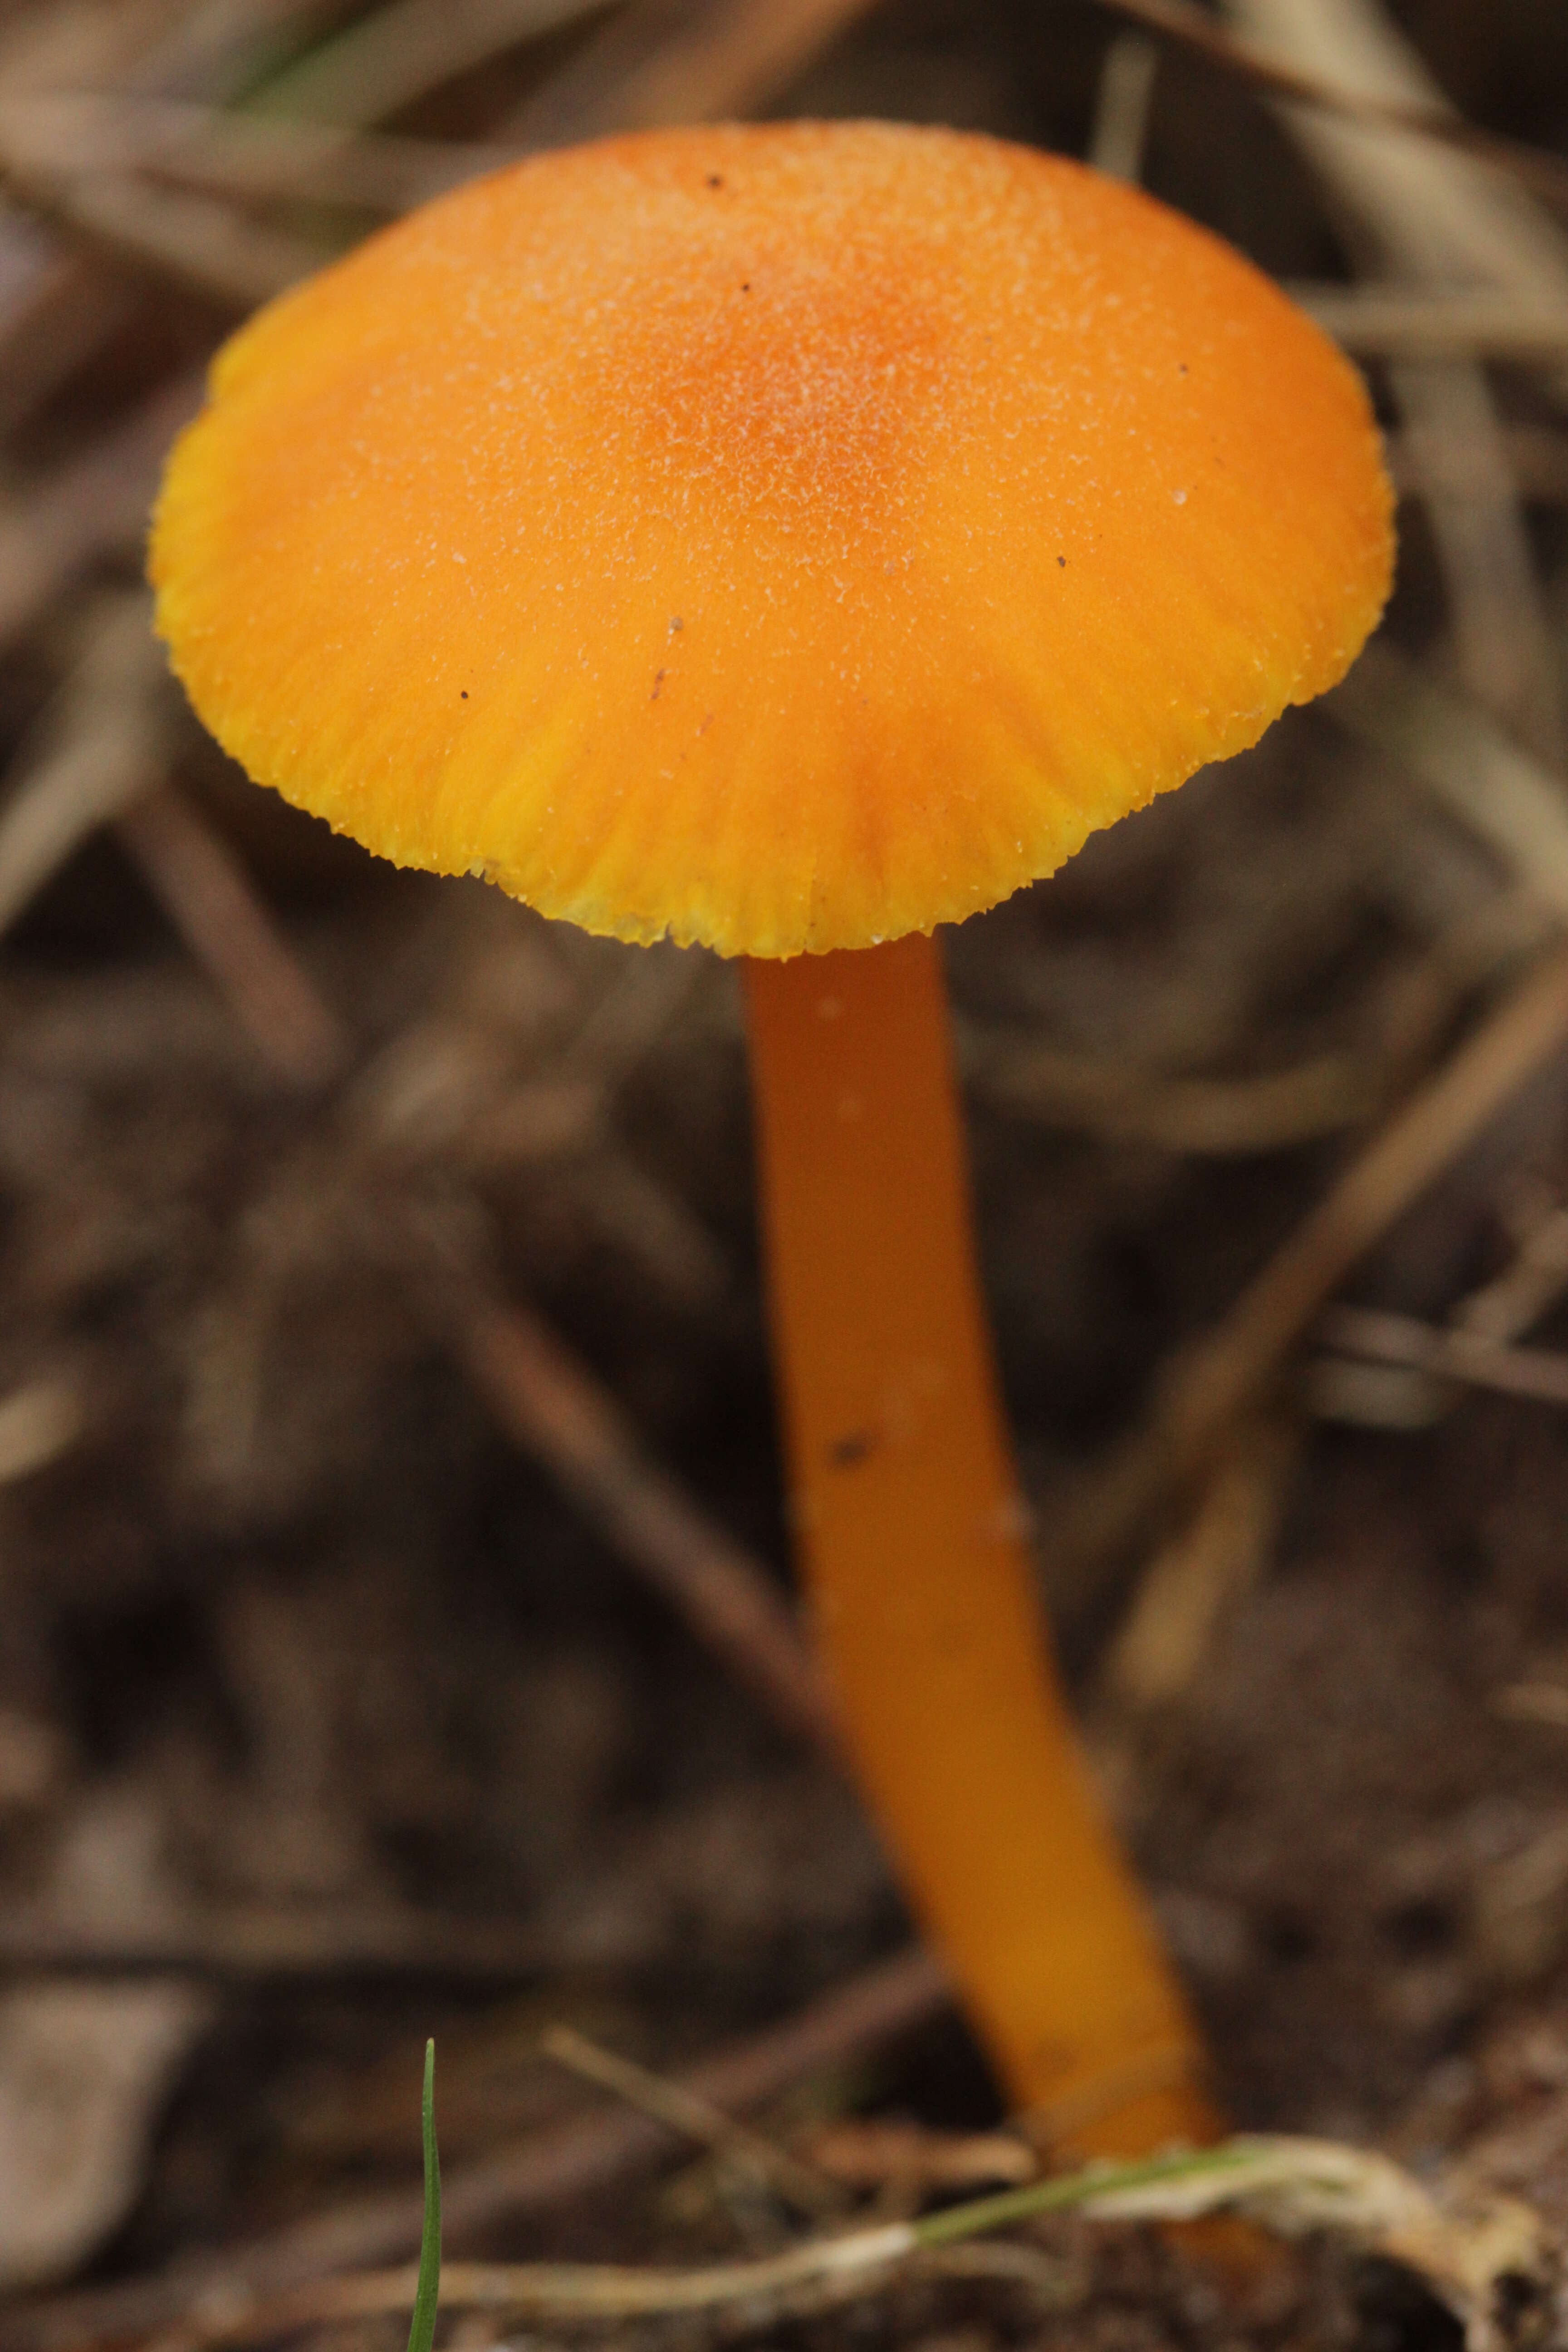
(778, 537)
(909, 1520)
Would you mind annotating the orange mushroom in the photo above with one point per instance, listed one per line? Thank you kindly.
(788, 539)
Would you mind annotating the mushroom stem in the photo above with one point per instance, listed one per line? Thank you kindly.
(913, 1538)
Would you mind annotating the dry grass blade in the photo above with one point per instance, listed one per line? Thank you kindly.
(1195, 1582)
(1531, 1283)
(1537, 458)
(633, 1013)
(1181, 20)
(80, 299)
(906, 2155)
(1390, 322)
(1416, 211)
(1269, 1113)
(1503, 643)
(1210, 1381)
(38, 1423)
(196, 240)
(655, 1230)
(1533, 1703)
(395, 53)
(1479, 773)
(1427, 216)
(1121, 107)
(102, 763)
(251, 1940)
(580, 2292)
(570, 1424)
(747, 2151)
(102, 748)
(682, 61)
(1453, 1354)
(204, 53)
(87, 506)
(68, 133)
(1400, 1370)
(220, 45)
(1433, 214)
(206, 892)
(87, 43)
(53, 321)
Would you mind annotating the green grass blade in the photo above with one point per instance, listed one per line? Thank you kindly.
(428, 2294)
(1060, 2193)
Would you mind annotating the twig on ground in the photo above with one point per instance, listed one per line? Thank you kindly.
(1536, 455)
(655, 1228)
(706, 58)
(1537, 458)
(249, 1941)
(1405, 1372)
(1415, 1015)
(876, 2155)
(1532, 1281)
(81, 299)
(1438, 218)
(87, 506)
(553, 2166)
(1123, 105)
(74, 135)
(549, 1403)
(1269, 1112)
(1395, 322)
(625, 1023)
(1417, 212)
(1533, 1703)
(1209, 1383)
(206, 890)
(760, 2159)
(102, 762)
(398, 52)
(100, 747)
(554, 1407)
(38, 1423)
(52, 321)
(223, 48)
(1184, 21)
(1454, 1354)
(1195, 1582)
(1504, 650)
(197, 240)
(1478, 772)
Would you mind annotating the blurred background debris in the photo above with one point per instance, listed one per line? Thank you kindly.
(396, 1633)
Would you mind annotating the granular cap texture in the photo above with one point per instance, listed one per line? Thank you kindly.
(778, 537)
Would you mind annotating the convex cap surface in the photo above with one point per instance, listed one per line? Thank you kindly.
(781, 537)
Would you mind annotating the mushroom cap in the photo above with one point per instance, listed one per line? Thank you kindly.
(779, 537)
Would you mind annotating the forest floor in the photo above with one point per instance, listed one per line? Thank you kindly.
(337, 1707)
